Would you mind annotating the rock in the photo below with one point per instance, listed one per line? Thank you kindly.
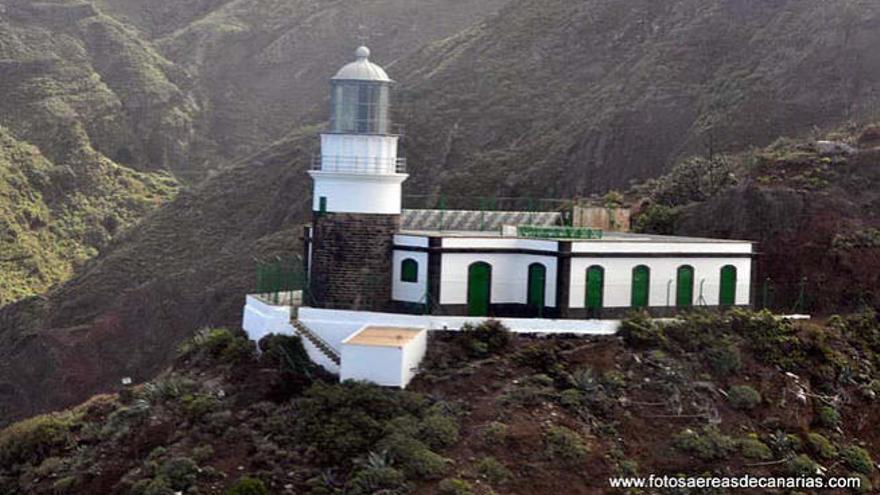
(834, 148)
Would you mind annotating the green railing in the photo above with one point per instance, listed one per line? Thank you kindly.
(558, 232)
(279, 279)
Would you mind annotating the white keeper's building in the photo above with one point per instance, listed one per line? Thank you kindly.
(372, 265)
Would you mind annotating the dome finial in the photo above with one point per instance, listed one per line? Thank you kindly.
(362, 52)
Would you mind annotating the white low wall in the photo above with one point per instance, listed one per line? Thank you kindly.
(335, 325)
(262, 319)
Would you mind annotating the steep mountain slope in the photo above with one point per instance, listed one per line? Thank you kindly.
(55, 217)
(73, 78)
(707, 396)
(261, 66)
(560, 98)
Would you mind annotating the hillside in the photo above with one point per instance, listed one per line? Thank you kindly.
(709, 395)
(813, 206)
(73, 77)
(558, 98)
(55, 217)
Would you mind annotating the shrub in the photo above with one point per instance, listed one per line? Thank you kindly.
(494, 434)
(773, 340)
(32, 440)
(414, 457)
(821, 446)
(181, 472)
(857, 459)
(454, 486)
(493, 471)
(439, 431)
(639, 331)
(744, 397)
(724, 358)
(801, 465)
(219, 344)
(708, 445)
(287, 353)
(828, 417)
(572, 398)
(566, 445)
(247, 486)
(380, 479)
(752, 448)
(487, 338)
(344, 421)
(196, 406)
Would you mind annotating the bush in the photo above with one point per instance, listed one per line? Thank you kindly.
(493, 471)
(344, 421)
(287, 353)
(439, 431)
(494, 434)
(414, 457)
(454, 486)
(565, 445)
(181, 472)
(821, 446)
(708, 445)
(247, 486)
(828, 417)
(32, 440)
(378, 479)
(801, 465)
(639, 331)
(488, 338)
(219, 344)
(724, 358)
(857, 459)
(752, 448)
(744, 397)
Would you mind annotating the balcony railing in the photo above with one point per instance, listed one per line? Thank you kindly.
(359, 165)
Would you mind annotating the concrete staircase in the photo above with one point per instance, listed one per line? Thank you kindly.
(317, 341)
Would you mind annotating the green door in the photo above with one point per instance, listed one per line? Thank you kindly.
(595, 288)
(479, 289)
(537, 288)
(684, 287)
(641, 283)
(728, 286)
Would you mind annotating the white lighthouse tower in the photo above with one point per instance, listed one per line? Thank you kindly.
(359, 170)
(357, 193)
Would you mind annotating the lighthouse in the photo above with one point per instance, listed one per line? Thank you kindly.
(357, 192)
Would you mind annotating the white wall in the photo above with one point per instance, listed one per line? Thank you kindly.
(330, 323)
(510, 276)
(262, 319)
(618, 279)
(380, 365)
(617, 246)
(409, 291)
(358, 193)
(370, 148)
(413, 354)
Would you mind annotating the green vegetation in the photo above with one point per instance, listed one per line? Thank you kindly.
(753, 448)
(857, 459)
(248, 486)
(707, 445)
(821, 446)
(565, 445)
(485, 339)
(744, 397)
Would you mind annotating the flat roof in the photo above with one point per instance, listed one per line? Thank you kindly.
(382, 336)
(606, 236)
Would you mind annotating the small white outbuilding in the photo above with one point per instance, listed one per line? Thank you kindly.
(388, 356)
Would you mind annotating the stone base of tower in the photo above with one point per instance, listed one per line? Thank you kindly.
(351, 260)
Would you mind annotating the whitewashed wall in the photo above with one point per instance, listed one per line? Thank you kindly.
(380, 365)
(358, 193)
(409, 291)
(618, 279)
(413, 354)
(371, 148)
(510, 277)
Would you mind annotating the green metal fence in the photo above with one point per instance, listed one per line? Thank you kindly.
(277, 280)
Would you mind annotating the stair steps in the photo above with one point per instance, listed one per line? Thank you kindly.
(317, 341)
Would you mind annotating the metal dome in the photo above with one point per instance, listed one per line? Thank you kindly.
(362, 69)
